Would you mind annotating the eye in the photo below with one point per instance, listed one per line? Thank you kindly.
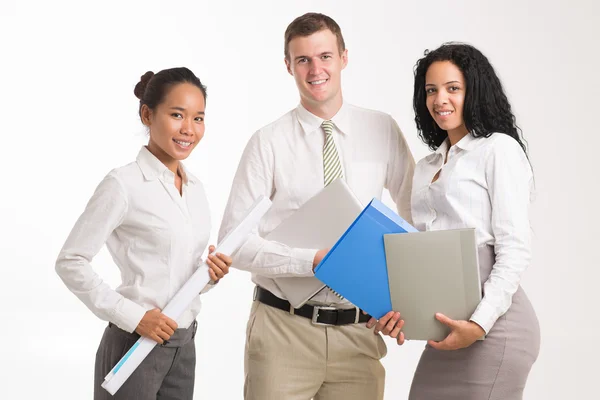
(430, 90)
(176, 115)
(454, 88)
(199, 119)
(302, 60)
(326, 57)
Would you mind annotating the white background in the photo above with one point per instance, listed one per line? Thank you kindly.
(68, 115)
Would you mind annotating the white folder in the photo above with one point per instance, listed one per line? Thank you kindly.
(317, 224)
(188, 292)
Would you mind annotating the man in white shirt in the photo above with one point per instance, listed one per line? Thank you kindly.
(292, 355)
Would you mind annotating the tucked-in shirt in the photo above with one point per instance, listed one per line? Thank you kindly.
(155, 235)
(485, 184)
(284, 162)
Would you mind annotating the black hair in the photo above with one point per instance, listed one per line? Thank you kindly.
(486, 107)
(152, 88)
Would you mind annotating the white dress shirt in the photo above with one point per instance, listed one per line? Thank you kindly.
(155, 235)
(485, 184)
(284, 162)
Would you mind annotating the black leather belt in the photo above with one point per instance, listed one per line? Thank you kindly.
(317, 314)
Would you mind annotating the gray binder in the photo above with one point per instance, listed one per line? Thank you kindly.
(317, 224)
(431, 272)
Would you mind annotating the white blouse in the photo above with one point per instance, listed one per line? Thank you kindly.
(155, 235)
(485, 184)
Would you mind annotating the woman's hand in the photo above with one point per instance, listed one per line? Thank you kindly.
(157, 326)
(390, 325)
(218, 263)
(462, 334)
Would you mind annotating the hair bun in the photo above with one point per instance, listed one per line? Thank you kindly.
(140, 88)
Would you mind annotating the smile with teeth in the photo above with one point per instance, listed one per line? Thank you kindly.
(444, 113)
(182, 143)
(319, 82)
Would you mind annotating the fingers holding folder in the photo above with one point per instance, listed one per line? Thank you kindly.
(390, 325)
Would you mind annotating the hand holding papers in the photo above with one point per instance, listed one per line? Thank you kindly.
(177, 305)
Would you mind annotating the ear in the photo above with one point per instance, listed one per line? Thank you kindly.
(344, 57)
(288, 65)
(146, 114)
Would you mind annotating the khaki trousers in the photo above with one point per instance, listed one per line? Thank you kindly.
(289, 358)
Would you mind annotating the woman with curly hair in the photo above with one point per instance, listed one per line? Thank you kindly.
(478, 176)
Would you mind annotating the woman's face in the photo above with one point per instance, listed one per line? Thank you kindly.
(445, 89)
(177, 124)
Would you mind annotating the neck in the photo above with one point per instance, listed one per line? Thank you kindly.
(169, 162)
(455, 135)
(326, 110)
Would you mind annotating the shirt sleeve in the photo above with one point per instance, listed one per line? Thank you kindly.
(104, 212)
(255, 177)
(509, 178)
(400, 171)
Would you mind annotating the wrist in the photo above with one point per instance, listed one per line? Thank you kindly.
(477, 330)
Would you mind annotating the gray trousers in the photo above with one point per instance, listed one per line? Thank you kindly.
(166, 374)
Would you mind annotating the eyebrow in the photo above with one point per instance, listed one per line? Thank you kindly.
(183, 109)
(319, 55)
(447, 83)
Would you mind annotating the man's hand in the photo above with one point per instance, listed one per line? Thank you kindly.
(318, 257)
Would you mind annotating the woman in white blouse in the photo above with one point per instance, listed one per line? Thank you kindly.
(153, 216)
(479, 176)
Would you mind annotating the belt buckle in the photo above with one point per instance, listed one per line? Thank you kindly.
(315, 315)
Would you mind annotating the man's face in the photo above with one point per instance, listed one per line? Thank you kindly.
(316, 64)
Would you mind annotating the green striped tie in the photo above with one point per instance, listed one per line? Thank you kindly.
(332, 167)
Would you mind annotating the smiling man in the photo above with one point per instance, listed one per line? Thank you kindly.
(290, 353)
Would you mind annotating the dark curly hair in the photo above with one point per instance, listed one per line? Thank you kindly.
(486, 107)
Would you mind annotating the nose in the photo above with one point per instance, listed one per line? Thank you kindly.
(316, 67)
(441, 98)
(186, 126)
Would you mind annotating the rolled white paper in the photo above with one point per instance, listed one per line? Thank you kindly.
(184, 297)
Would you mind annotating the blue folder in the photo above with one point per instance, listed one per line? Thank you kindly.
(355, 267)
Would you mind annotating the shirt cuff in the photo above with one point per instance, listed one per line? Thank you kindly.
(128, 315)
(301, 262)
(485, 315)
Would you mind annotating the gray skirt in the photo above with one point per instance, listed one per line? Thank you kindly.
(493, 369)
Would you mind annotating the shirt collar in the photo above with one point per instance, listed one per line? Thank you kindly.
(311, 123)
(468, 142)
(152, 167)
(440, 151)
